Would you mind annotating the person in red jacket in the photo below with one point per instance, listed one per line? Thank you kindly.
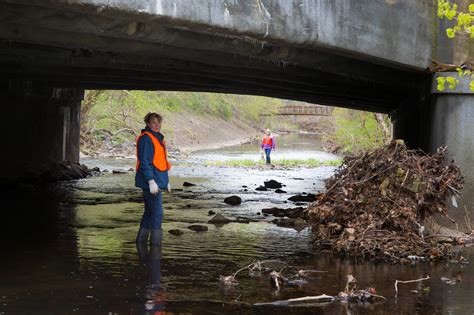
(268, 144)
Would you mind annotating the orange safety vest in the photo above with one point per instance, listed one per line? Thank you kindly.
(267, 140)
(160, 161)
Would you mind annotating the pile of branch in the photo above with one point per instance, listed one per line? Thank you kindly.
(376, 202)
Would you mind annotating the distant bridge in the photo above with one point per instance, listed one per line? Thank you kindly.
(303, 110)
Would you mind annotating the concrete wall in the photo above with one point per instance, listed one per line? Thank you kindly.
(452, 124)
(395, 31)
(42, 127)
(446, 118)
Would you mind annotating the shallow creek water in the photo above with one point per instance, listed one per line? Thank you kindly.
(85, 261)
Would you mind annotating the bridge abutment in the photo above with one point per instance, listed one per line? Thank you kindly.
(42, 124)
(446, 118)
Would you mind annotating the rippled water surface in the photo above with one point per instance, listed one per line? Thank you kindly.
(79, 255)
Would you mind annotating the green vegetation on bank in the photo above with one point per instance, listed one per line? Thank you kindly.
(118, 115)
(277, 162)
(356, 131)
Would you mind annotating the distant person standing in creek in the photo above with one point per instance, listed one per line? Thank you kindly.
(268, 144)
(152, 177)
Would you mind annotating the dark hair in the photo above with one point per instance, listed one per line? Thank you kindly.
(150, 116)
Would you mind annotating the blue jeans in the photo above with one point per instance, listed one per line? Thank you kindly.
(267, 155)
(153, 214)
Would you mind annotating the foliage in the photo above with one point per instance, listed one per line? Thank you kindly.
(465, 27)
(358, 130)
(465, 20)
(118, 115)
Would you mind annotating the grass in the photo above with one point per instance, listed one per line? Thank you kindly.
(282, 162)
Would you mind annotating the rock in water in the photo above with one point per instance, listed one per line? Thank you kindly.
(298, 224)
(233, 200)
(176, 232)
(261, 188)
(188, 184)
(119, 171)
(211, 212)
(305, 198)
(272, 184)
(198, 228)
(280, 191)
(219, 219)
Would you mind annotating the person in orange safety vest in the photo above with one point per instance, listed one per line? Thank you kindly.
(152, 177)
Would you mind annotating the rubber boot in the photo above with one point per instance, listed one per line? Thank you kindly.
(142, 235)
(156, 236)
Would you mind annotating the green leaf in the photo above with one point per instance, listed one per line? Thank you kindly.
(471, 8)
(441, 82)
(471, 85)
(453, 82)
(450, 32)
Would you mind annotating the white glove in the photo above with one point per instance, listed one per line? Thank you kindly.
(153, 187)
(169, 188)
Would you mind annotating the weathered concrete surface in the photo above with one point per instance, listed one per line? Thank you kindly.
(452, 125)
(395, 31)
(41, 126)
(444, 119)
(368, 54)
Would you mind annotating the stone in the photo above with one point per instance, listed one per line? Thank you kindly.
(261, 188)
(176, 232)
(242, 220)
(188, 184)
(298, 224)
(211, 212)
(276, 212)
(301, 198)
(280, 191)
(198, 228)
(131, 169)
(66, 170)
(118, 171)
(295, 212)
(95, 169)
(219, 219)
(233, 200)
(272, 184)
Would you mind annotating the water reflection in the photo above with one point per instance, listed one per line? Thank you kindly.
(150, 261)
(90, 263)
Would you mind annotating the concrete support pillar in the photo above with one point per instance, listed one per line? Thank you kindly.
(41, 125)
(446, 118)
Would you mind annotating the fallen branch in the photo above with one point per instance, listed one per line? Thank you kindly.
(317, 298)
(409, 281)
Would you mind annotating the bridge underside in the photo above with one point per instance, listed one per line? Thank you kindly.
(82, 47)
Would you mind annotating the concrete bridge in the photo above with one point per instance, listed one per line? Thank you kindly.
(362, 54)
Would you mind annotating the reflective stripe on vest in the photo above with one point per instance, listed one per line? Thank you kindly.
(160, 161)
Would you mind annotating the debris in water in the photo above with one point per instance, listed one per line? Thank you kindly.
(376, 204)
(409, 281)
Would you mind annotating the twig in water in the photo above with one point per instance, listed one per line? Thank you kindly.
(322, 298)
(408, 281)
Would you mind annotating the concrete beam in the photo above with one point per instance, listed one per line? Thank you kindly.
(364, 29)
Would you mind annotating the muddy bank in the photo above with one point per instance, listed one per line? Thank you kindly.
(184, 133)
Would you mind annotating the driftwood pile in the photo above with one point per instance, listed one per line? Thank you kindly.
(376, 203)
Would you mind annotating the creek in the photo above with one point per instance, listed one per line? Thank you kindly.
(84, 260)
